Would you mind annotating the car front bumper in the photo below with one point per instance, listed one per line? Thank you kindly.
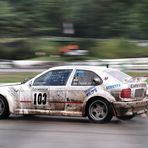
(130, 108)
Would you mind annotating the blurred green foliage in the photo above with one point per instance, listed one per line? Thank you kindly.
(118, 48)
(26, 27)
(91, 18)
(19, 49)
(48, 49)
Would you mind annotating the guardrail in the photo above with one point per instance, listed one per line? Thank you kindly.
(134, 64)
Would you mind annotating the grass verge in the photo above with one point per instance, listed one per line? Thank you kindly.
(16, 76)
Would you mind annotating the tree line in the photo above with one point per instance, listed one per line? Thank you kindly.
(87, 18)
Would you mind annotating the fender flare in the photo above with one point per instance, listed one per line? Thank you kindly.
(11, 103)
(107, 97)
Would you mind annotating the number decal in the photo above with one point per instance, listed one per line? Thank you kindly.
(40, 98)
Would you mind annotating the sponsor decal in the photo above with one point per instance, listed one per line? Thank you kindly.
(90, 91)
(40, 98)
(113, 86)
(13, 91)
(138, 85)
(39, 89)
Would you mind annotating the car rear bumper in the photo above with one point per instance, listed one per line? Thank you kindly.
(130, 108)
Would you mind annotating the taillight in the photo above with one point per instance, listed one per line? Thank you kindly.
(126, 93)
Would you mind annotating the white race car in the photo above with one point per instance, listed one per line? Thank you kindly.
(96, 92)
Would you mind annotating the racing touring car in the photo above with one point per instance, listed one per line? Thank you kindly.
(98, 93)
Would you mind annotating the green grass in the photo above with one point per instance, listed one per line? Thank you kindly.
(138, 74)
(16, 76)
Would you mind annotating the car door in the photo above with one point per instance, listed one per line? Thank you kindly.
(40, 91)
(58, 89)
(49, 90)
(33, 96)
(81, 86)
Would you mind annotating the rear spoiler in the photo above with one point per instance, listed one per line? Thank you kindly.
(141, 79)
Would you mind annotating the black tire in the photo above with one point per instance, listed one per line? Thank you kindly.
(4, 108)
(99, 110)
(129, 117)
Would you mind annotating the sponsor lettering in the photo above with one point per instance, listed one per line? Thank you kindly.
(113, 86)
(138, 85)
(90, 91)
(39, 89)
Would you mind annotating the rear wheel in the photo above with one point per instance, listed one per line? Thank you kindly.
(99, 110)
(4, 108)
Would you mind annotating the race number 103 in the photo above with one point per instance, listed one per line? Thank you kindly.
(40, 98)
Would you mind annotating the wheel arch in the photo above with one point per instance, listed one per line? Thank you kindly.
(92, 99)
(4, 111)
(2, 96)
(9, 103)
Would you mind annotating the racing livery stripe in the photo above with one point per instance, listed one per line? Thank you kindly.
(54, 102)
(65, 102)
(29, 101)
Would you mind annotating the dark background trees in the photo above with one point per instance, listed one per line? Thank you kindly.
(26, 27)
(90, 18)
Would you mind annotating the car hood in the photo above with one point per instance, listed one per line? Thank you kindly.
(10, 89)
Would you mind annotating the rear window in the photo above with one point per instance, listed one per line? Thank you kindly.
(119, 75)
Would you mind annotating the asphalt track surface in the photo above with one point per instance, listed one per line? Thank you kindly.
(63, 132)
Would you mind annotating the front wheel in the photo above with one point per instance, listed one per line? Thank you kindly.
(99, 110)
(4, 108)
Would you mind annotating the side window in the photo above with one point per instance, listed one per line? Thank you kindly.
(84, 78)
(53, 78)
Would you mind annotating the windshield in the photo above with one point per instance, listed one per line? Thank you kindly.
(119, 75)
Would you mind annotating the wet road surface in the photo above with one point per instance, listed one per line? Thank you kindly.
(61, 132)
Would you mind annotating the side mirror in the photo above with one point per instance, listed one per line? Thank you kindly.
(30, 84)
(97, 81)
(25, 80)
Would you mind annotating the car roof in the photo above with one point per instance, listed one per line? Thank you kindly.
(86, 67)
